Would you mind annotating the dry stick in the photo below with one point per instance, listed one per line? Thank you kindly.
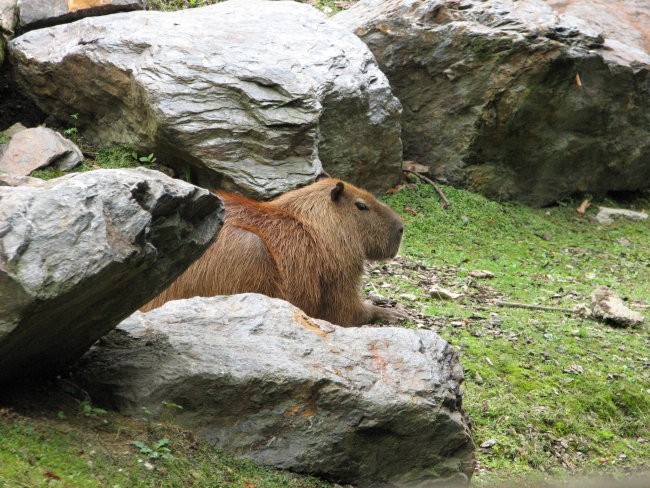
(533, 307)
(445, 202)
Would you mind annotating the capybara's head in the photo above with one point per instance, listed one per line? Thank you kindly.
(357, 214)
(378, 226)
(352, 214)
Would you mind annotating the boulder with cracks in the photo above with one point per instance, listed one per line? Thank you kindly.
(257, 377)
(80, 253)
(217, 91)
(520, 99)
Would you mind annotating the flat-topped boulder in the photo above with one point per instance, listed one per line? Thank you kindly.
(216, 91)
(255, 376)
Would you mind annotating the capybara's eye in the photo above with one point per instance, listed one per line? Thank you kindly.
(361, 206)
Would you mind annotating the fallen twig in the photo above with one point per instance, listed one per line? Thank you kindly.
(533, 307)
(445, 203)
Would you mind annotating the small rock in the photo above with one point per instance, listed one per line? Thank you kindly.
(489, 443)
(582, 209)
(16, 180)
(442, 293)
(481, 273)
(610, 308)
(623, 241)
(606, 214)
(408, 296)
(31, 149)
(574, 369)
(14, 129)
(495, 320)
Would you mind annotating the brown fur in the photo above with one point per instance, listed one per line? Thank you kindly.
(307, 246)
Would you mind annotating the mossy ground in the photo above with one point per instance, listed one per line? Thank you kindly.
(549, 393)
(49, 439)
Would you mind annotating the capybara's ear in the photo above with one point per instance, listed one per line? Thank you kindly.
(337, 191)
(322, 175)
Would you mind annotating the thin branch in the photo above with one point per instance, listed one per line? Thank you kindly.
(500, 303)
(445, 203)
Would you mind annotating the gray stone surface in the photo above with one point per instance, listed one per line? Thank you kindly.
(8, 19)
(39, 147)
(610, 308)
(217, 89)
(606, 215)
(34, 14)
(530, 99)
(14, 129)
(258, 378)
(80, 253)
(16, 180)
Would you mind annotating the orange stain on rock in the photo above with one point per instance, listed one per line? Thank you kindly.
(308, 323)
(74, 5)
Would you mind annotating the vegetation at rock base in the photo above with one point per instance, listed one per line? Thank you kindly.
(169, 5)
(57, 442)
(112, 157)
(329, 7)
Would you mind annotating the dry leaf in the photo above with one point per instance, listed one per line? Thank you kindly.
(578, 81)
(415, 167)
(583, 207)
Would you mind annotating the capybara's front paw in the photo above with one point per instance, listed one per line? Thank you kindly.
(384, 314)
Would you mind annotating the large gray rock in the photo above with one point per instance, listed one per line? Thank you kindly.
(34, 14)
(39, 147)
(217, 89)
(528, 99)
(80, 253)
(257, 377)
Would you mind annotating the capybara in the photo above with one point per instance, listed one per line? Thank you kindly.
(307, 246)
